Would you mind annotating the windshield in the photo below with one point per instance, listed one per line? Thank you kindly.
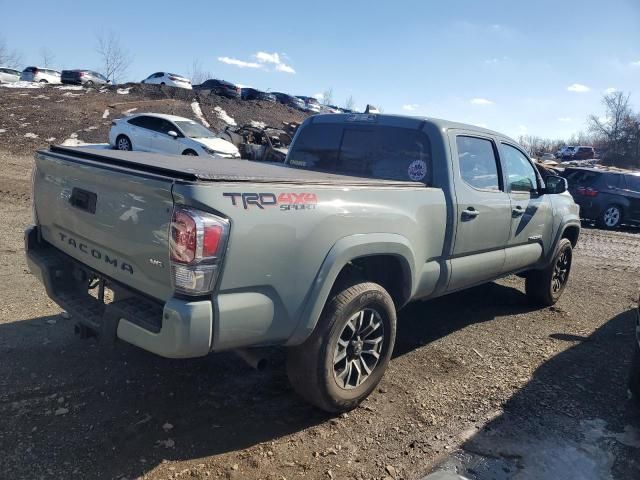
(194, 130)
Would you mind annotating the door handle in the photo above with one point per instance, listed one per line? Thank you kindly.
(517, 211)
(470, 213)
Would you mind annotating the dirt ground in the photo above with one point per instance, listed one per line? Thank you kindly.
(480, 382)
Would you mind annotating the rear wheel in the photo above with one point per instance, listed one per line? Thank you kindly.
(43, 81)
(544, 287)
(611, 217)
(345, 357)
(123, 143)
(191, 153)
(88, 83)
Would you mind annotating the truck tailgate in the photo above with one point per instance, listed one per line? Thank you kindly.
(115, 222)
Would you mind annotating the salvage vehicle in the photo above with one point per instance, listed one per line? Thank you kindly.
(157, 132)
(369, 213)
(311, 104)
(248, 93)
(88, 78)
(289, 100)
(169, 79)
(40, 75)
(259, 142)
(9, 75)
(219, 87)
(608, 196)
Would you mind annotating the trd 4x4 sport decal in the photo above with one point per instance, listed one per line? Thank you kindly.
(286, 201)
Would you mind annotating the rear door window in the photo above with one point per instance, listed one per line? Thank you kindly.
(633, 183)
(144, 122)
(374, 151)
(478, 163)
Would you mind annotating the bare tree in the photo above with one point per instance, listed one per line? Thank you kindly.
(617, 112)
(9, 58)
(327, 96)
(47, 57)
(115, 58)
(350, 103)
(197, 73)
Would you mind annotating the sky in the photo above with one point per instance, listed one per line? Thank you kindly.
(536, 68)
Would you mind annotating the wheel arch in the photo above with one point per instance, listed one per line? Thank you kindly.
(359, 254)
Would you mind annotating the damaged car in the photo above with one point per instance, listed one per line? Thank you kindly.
(259, 142)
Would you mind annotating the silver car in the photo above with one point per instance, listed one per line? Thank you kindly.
(83, 77)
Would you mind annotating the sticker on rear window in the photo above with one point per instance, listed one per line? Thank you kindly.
(417, 170)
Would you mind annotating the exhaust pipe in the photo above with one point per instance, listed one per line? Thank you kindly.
(254, 357)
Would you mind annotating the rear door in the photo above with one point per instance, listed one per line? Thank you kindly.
(113, 221)
(483, 210)
(140, 129)
(161, 141)
(633, 195)
(531, 215)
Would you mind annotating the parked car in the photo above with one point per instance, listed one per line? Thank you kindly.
(547, 156)
(170, 79)
(9, 75)
(248, 93)
(369, 213)
(41, 75)
(311, 104)
(330, 109)
(219, 87)
(609, 197)
(566, 150)
(87, 78)
(634, 382)
(289, 100)
(155, 132)
(580, 153)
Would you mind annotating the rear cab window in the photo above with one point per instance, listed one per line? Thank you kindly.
(364, 150)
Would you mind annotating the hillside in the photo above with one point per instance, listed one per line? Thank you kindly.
(32, 118)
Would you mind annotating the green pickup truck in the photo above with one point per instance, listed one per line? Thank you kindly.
(183, 256)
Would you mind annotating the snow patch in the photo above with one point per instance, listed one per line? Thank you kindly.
(130, 111)
(70, 87)
(88, 129)
(222, 115)
(197, 111)
(22, 84)
(30, 135)
(74, 142)
(123, 91)
(44, 97)
(2, 130)
(50, 139)
(69, 94)
(256, 124)
(106, 113)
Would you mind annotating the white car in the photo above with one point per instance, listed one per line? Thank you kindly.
(155, 132)
(171, 79)
(40, 75)
(9, 75)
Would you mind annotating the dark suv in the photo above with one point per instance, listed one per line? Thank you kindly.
(219, 87)
(610, 197)
(579, 153)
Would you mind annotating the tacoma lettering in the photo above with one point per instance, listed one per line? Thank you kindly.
(95, 253)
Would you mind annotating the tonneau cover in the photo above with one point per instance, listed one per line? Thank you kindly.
(214, 169)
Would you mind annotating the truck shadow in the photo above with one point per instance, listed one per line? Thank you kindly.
(108, 412)
(573, 419)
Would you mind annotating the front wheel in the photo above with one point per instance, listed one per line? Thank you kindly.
(345, 357)
(190, 153)
(544, 287)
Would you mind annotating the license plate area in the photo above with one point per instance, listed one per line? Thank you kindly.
(83, 200)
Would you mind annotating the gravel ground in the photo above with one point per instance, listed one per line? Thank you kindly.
(479, 380)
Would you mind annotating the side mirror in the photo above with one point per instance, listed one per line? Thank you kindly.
(173, 134)
(556, 185)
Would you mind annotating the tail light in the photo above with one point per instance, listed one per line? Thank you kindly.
(197, 242)
(587, 191)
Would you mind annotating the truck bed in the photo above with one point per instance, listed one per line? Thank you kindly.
(215, 169)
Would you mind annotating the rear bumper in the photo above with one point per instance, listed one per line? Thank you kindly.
(176, 329)
(71, 81)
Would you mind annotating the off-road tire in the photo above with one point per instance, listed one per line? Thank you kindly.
(605, 218)
(539, 284)
(310, 366)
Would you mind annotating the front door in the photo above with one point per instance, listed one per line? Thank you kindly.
(531, 214)
(633, 195)
(483, 210)
(161, 142)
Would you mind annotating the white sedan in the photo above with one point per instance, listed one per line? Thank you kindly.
(155, 132)
(171, 79)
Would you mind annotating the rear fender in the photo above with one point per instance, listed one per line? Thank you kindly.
(342, 252)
